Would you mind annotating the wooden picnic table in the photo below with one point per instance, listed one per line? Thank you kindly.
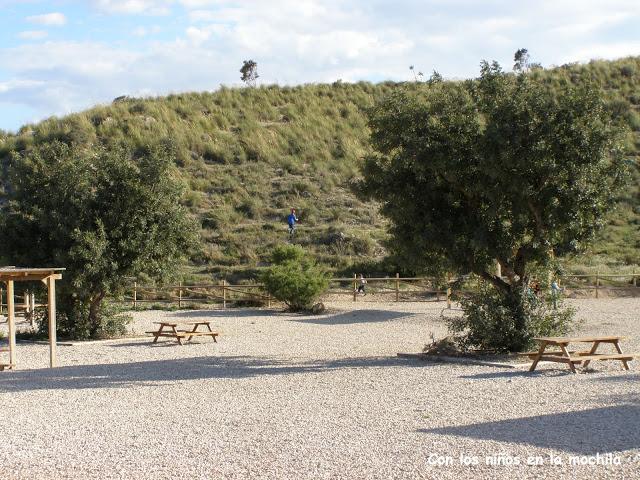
(170, 329)
(573, 357)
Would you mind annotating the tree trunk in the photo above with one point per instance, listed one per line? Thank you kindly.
(94, 311)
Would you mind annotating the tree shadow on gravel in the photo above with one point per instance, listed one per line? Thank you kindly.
(584, 432)
(123, 375)
(517, 374)
(225, 313)
(554, 372)
(630, 378)
(355, 316)
(626, 377)
(340, 318)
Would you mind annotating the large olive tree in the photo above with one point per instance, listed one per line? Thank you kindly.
(501, 169)
(104, 213)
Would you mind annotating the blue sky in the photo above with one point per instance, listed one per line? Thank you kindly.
(60, 56)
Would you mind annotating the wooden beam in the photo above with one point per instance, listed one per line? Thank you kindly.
(51, 304)
(45, 280)
(11, 318)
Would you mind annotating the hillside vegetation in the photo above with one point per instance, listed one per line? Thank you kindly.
(248, 155)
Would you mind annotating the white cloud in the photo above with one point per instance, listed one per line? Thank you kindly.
(91, 60)
(198, 35)
(201, 3)
(33, 34)
(131, 7)
(16, 85)
(203, 16)
(53, 19)
(144, 31)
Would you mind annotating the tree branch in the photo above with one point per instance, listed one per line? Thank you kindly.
(537, 217)
(495, 280)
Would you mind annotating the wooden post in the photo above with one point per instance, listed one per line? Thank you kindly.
(180, 295)
(11, 319)
(27, 307)
(51, 302)
(597, 283)
(633, 280)
(224, 294)
(32, 309)
(1, 296)
(437, 292)
(449, 291)
(397, 287)
(268, 300)
(135, 295)
(355, 288)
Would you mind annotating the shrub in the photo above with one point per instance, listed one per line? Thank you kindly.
(75, 322)
(294, 278)
(501, 322)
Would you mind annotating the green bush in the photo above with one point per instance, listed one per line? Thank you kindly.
(294, 278)
(489, 322)
(76, 323)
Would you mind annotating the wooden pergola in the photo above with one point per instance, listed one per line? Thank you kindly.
(48, 276)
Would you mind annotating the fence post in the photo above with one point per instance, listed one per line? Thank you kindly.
(268, 300)
(224, 294)
(633, 280)
(135, 295)
(397, 287)
(597, 283)
(448, 292)
(33, 309)
(355, 288)
(180, 295)
(1, 296)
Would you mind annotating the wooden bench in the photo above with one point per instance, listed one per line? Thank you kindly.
(571, 358)
(172, 331)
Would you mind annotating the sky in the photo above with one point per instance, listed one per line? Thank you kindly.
(61, 56)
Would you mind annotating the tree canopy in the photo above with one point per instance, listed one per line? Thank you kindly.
(503, 168)
(105, 214)
(249, 72)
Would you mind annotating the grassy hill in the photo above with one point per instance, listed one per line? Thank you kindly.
(248, 155)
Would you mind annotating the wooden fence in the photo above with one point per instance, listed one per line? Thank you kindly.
(395, 288)
(391, 288)
(598, 282)
(183, 294)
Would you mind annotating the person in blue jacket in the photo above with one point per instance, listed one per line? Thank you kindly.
(291, 220)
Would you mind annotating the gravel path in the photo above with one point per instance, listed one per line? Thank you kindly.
(289, 396)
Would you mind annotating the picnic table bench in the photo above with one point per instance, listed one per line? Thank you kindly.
(170, 329)
(577, 357)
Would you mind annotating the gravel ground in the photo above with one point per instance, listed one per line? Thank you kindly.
(290, 396)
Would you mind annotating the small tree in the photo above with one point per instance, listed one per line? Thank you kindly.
(249, 72)
(435, 78)
(104, 214)
(294, 278)
(522, 61)
(503, 169)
